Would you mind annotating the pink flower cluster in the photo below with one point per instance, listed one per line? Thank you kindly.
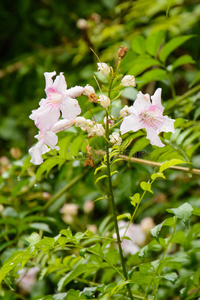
(59, 100)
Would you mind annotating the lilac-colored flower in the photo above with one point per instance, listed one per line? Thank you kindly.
(148, 114)
(58, 99)
(47, 138)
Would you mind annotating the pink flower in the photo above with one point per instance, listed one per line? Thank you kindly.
(45, 138)
(58, 99)
(148, 114)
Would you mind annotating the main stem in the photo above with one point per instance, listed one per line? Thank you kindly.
(111, 197)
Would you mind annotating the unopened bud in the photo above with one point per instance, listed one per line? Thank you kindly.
(122, 51)
(124, 111)
(99, 130)
(128, 80)
(103, 68)
(115, 139)
(15, 152)
(88, 206)
(104, 101)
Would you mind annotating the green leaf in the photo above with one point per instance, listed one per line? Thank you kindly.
(64, 145)
(154, 74)
(196, 211)
(139, 145)
(146, 186)
(172, 45)
(142, 63)
(172, 277)
(76, 272)
(139, 44)
(183, 212)
(124, 216)
(41, 226)
(157, 175)
(112, 256)
(135, 199)
(185, 59)
(170, 163)
(195, 80)
(169, 3)
(154, 41)
(101, 177)
(48, 164)
(33, 238)
(130, 92)
(178, 238)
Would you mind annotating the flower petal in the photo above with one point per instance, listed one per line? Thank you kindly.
(50, 139)
(70, 108)
(48, 77)
(131, 123)
(156, 99)
(36, 153)
(152, 135)
(75, 91)
(167, 125)
(142, 102)
(60, 84)
(45, 117)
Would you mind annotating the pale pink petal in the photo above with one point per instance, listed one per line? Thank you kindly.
(142, 102)
(45, 117)
(131, 123)
(152, 135)
(50, 139)
(70, 108)
(36, 153)
(62, 125)
(75, 91)
(167, 125)
(60, 84)
(42, 102)
(48, 77)
(156, 99)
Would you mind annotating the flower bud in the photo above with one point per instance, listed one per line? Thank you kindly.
(128, 80)
(104, 101)
(103, 68)
(69, 209)
(115, 139)
(99, 130)
(80, 122)
(122, 51)
(124, 111)
(110, 121)
(88, 90)
(92, 228)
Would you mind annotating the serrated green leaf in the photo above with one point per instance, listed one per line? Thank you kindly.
(112, 256)
(170, 163)
(156, 230)
(48, 165)
(174, 43)
(185, 59)
(146, 186)
(183, 212)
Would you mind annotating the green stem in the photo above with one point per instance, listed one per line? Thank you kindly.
(111, 194)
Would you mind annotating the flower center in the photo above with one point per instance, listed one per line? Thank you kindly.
(150, 119)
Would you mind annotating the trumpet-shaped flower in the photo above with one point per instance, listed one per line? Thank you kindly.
(58, 99)
(148, 114)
